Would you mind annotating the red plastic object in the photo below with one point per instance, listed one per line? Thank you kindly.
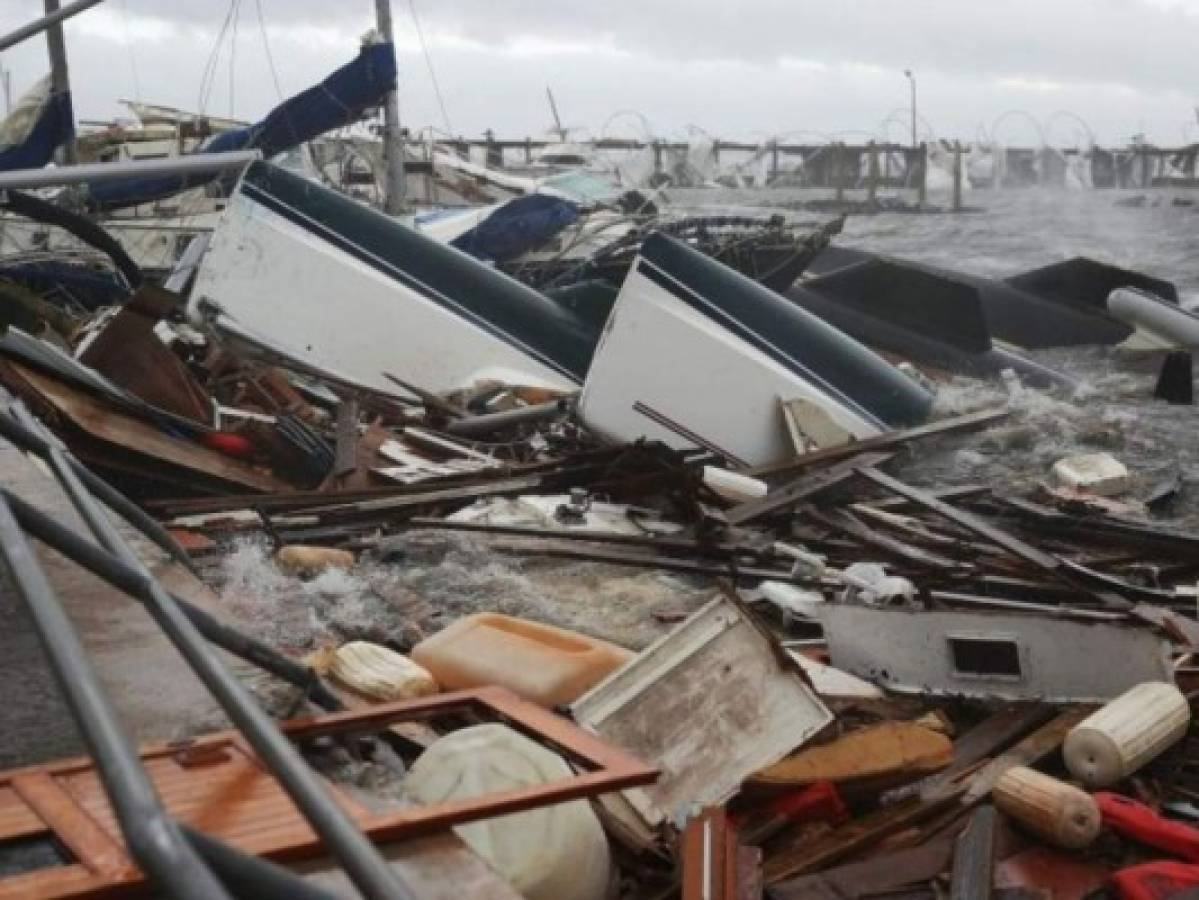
(1155, 880)
(819, 802)
(1137, 821)
(228, 443)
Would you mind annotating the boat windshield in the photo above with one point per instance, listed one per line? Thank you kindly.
(585, 188)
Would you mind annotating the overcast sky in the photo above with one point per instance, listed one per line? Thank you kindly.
(734, 68)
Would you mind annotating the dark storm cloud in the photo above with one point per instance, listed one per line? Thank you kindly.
(769, 65)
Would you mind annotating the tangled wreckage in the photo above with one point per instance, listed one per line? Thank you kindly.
(354, 559)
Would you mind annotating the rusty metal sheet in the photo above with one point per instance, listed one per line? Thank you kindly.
(128, 353)
(141, 438)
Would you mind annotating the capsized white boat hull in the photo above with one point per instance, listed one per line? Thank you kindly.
(673, 363)
(349, 290)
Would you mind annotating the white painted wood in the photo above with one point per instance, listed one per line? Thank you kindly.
(716, 670)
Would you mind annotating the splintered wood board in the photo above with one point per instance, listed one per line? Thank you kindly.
(708, 703)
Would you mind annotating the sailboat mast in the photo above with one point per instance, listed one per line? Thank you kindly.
(558, 129)
(60, 79)
(393, 140)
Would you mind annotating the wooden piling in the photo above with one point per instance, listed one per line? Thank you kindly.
(839, 170)
(922, 184)
(872, 174)
(957, 176)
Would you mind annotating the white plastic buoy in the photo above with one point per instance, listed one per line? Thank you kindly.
(379, 672)
(1117, 740)
(733, 487)
(556, 852)
(1058, 812)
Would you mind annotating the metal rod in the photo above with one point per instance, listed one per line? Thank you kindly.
(108, 567)
(252, 876)
(357, 855)
(32, 442)
(475, 426)
(60, 79)
(39, 25)
(95, 173)
(152, 838)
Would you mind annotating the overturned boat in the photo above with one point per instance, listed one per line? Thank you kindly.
(342, 287)
(696, 354)
(1060, 305)
(934, 320)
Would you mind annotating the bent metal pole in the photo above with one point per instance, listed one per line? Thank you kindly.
(39, 25)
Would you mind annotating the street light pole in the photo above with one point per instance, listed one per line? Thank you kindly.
(912, 81)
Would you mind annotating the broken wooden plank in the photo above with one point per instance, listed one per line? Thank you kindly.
(881, 874)
(844, 521)
(967, 422)
(688, 435)
(715, 865)
(802, 488)
(729, 568)
(71, 824)
(992, 735)
(890, 750)
(399, 502)
(968, 520)
(663, 542)
(974, 858)
(797, 853)
(1030, 749)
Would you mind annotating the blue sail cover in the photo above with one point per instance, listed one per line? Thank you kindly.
(53, 124)
(341, 99)
(516, 227)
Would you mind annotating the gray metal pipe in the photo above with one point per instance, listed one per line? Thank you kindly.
(39, 25)
(361, 860)
(33, 442)
(476, 426)
(94, 173)
(154, 840)
(104, 565)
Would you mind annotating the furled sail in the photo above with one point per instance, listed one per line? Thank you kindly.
(40, 123)
(341, 99)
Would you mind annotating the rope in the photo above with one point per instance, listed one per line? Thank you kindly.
(445, 116)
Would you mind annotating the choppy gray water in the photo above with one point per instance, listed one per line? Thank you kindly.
(1114, 411)
(1017, 230)
(1014, 230)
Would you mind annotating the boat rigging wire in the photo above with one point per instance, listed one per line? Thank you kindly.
(420, 35)
(233, 56)
(208, 76)
(266, 46)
